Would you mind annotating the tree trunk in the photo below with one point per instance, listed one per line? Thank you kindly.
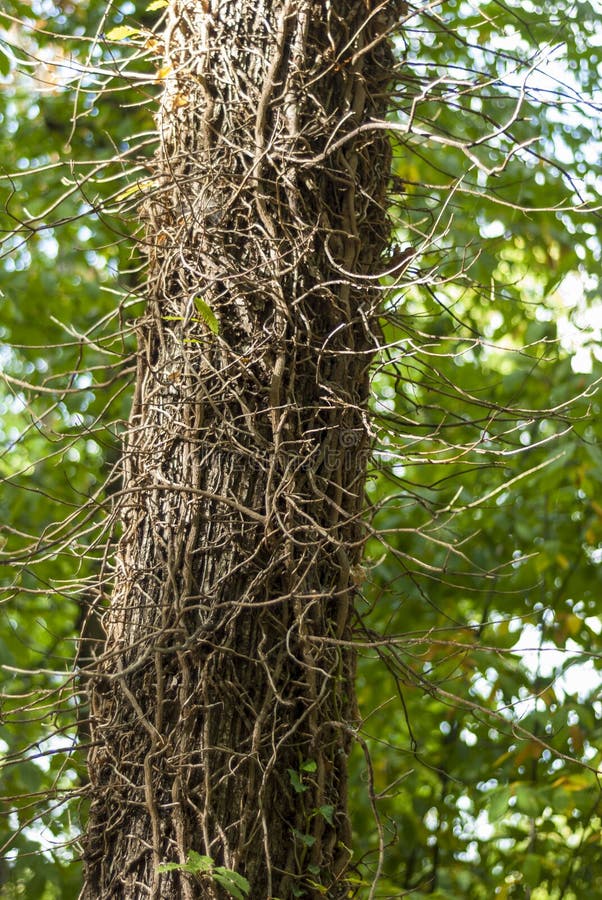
(221, 718)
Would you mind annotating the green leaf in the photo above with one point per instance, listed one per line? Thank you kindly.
(195, 864)
(122, 32)
(318, 887)
(532, 869)
(236, 885)
(4, 63)
(310, 765)
(307, 840)
(157, 4)
(356, 879)
(207, 315)
(170, 867)
(296, 782)
(198, 863)
(327, 813)
(498, 803)
(528, 801)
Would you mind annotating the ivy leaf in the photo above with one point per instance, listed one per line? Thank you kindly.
(310, 765)
(195, 864)
(198, 863)
(236, 885)
(170, 867)
(207, 315)
(296, 782)
(327, 813)
(318, 887)
(307, 840)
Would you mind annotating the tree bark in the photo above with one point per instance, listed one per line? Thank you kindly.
(221, 718)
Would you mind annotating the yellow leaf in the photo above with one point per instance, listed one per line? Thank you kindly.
(573, 624)
(502, 759)
(577, 782)
(137, 187)
(122, 32)
(548, 696)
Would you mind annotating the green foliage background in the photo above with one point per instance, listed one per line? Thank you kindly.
(485, 486)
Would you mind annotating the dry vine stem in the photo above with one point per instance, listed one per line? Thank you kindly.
(245, 458)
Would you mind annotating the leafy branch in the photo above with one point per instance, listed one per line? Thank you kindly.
(236, 885)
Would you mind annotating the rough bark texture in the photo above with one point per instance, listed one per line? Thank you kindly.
(221, 719)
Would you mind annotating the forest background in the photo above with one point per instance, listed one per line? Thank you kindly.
(484, 568)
